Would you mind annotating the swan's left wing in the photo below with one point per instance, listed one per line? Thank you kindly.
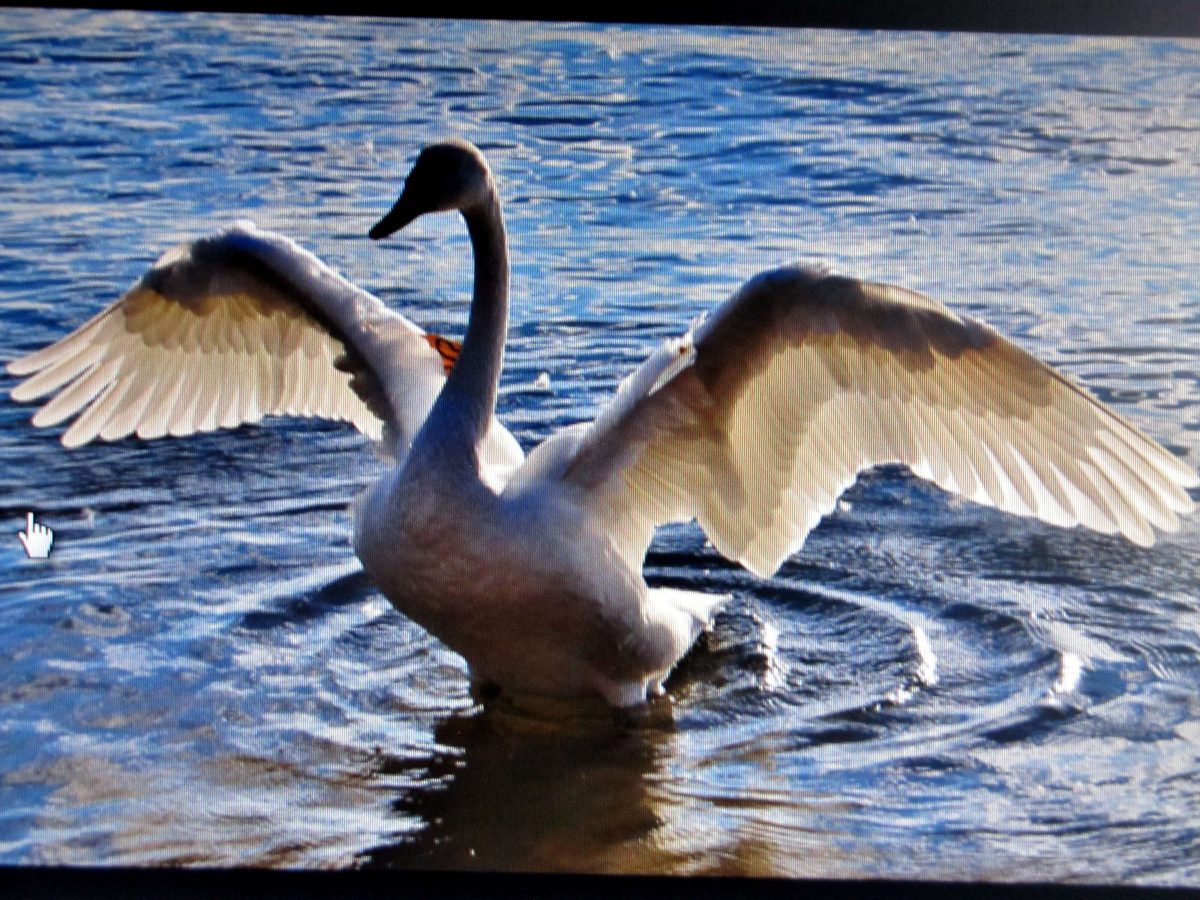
(756, 422)
(236, 326)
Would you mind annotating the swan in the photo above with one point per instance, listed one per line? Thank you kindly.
(752, 423)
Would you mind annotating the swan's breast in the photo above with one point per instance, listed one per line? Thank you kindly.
(526, 590)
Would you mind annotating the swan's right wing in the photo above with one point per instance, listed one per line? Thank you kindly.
(231, 328)
(758, 420)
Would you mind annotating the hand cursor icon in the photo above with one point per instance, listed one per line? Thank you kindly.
(36, 538)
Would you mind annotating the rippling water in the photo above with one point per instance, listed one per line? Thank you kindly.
(201, 674)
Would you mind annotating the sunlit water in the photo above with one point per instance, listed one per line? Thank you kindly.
(200, 673)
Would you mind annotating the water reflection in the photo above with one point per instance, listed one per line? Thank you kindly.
(514, 789)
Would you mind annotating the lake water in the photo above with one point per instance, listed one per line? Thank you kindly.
(201, 674)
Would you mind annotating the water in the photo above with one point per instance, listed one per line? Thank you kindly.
(200, 673)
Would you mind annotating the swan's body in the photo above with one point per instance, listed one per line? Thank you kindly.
(752, 424)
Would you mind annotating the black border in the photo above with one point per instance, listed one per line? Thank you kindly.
(228, 884)
(1176, 18)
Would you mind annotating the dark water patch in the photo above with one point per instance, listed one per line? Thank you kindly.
(300, 610)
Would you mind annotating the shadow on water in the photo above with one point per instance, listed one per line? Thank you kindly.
(520, 791)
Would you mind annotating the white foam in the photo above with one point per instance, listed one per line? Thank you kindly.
(1070, 670)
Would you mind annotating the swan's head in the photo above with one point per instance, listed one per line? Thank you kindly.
(447, 176)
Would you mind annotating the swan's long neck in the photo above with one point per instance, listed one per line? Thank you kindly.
(467, 402)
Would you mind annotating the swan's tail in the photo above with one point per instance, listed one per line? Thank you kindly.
(686, 614)
(700, 607)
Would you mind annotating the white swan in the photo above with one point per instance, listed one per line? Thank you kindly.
(752, 423)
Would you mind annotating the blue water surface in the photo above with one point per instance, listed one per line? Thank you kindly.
(201, 674)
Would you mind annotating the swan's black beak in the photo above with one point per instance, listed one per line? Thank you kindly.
(398, 216)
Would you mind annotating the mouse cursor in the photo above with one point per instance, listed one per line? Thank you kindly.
(36, 539)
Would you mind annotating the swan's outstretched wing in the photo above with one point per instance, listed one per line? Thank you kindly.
(759, 419)
(234, 327)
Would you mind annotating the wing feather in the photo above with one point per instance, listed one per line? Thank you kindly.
(93, 419)
(757, 420)
(234, 327)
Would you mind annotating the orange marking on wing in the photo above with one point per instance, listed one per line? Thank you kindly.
(446, 348)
